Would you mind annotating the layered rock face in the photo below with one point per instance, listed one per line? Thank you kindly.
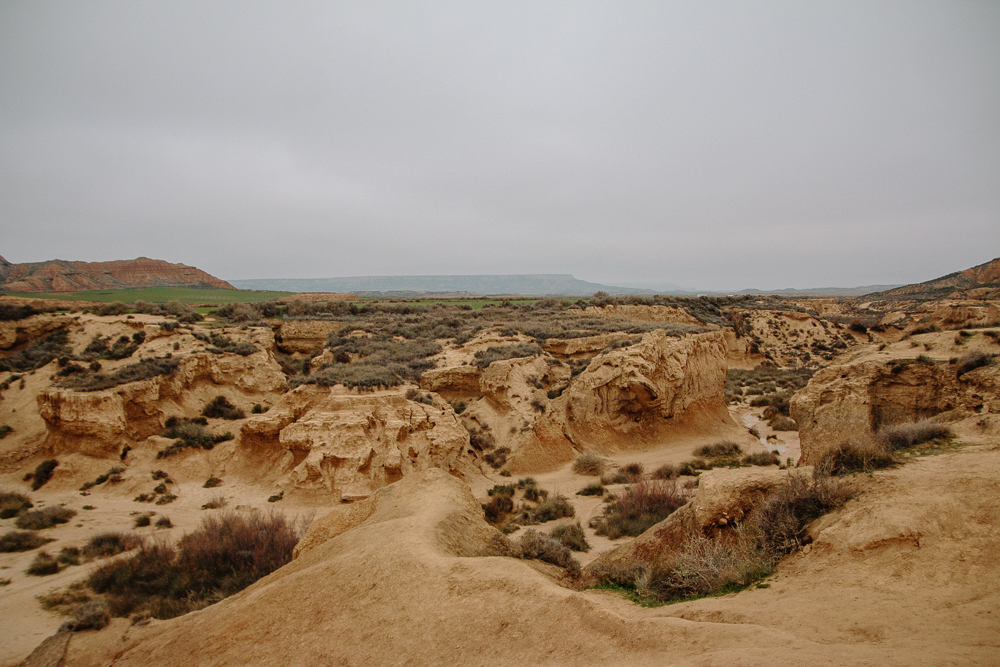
(349, 445)
(639, 313)
(304, 335)
(856, 400)
(62, 276)
(632, 398)
(18, 332)
(98, 423)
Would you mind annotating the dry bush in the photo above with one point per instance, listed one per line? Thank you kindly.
(144, 370)
(43, 565)
(627, 474)
(856, 455)
(592, 489)
(92, 615)
(904, 436)
(553, 508)
(665, 472)
(484, 358)
(45, 518)
(12, 504)
(223, 556)
(762, 459)
(110, 543)
(18, 540)
(638, 508)
(43, 473)
(588, 464)
(215, 503)
(535, 545)
(722, 449)
(221, 408)
(571, 536)
(735, 558)
(783, 423)
(211, 483)
(972, 361)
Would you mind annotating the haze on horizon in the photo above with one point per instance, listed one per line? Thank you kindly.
(711, 145)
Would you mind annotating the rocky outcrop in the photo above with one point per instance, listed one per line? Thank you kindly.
(572, 348)
(19, 332)
(99, 423)
(855, 400)
(633, 397)
(304, 336)
(348, 445)
(457, 382)
(61, 276)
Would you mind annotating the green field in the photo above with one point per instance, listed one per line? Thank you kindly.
(158, 295)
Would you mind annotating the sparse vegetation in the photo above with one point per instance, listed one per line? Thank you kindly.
(592, 489)
(43, 473)
(37, 354)
(627, 474)
(736, 557)
(905, 436)
(589, 464)
(110, 543)
(211, 483)
(143, 370)
(762, 459)
(20, 540)
(221, 408)
(227, 553)
(535, 545)
(972, 361)
(484, 358)
(12, 504)
(189, 433)
(5, 431)
(45, 518)
(43, 565)
(215, 503)
(638, 508)
(571, 536)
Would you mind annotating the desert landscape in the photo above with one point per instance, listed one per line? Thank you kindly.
(723, 480)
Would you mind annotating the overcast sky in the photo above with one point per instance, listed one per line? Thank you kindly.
(712, 145)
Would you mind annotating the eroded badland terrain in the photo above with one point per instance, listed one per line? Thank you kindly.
(765, 481)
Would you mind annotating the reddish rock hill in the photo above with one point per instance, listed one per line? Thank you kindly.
(62, 276)
(983, 280)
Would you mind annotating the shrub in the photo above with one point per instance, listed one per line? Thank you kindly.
(535, 545)
(45, 518)
(857, 455)
(221, 408)
(37, 354)
(143, 520)
(588, 464)
(211, 483)
(164, 522)
(723, 449)
(43, 565)
(166, 499)
(904, 436)
(732, 558)
(971, 362)
(762, 459)
(497, 509)
(5, 431)
(92, 615)
(189, 434)
(18, 540)
(227, 553)
(69, 556)
(43, 473)
(12, 504)
(592, 489)
(110, 543)
(215, 503)
(275, 498)
(627, 474)
(143, 370)
(498, 457)
(665, 471)
(502, 490)
(553, 508)
(535, 494)
(783, 423)
(145, 498)
(638, 508)
(571, 536)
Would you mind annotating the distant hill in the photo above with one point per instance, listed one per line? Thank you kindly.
(550, 284)
(982, 281)
(59, 275)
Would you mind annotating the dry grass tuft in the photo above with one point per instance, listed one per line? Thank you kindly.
(638, 508)
(589, 464)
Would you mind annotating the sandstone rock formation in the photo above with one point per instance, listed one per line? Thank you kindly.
(304, 336)
(348, 445)
(100, 423)
(855, 400)
(640, 313)
(19, 332)
(456, 382)
(61, 276)
(588, 346)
